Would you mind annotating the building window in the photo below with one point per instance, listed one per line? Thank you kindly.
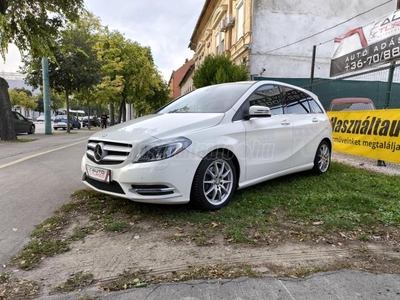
(217, 43)
(239, 20)
(222, 42)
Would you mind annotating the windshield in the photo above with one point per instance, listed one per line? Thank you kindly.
(211, 99)
(353, 106)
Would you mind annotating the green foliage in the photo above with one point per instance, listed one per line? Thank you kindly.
(128, 80)
(76, 67)
(356, 202)
(56, 101)
(218, 69)
(77, 282)
(33, 25)
(37, 250)
(115, 226)
(22, 98)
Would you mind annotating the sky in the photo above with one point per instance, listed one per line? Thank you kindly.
(166, 26)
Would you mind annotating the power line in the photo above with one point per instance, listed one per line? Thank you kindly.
(337, 25)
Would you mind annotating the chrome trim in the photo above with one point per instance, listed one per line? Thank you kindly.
(152, 191)
(107, 152)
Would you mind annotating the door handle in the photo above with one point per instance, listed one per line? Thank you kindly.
(285, 122)
(315, 120)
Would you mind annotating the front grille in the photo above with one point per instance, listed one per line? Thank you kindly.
(113, 153)
(112, 187)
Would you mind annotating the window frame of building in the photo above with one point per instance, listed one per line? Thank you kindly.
(217, 41)
(239, 20)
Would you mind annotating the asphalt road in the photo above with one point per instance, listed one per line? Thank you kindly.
(36, 178)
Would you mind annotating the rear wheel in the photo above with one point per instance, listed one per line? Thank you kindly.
(32, 129)
(214, 182)
(322, 159)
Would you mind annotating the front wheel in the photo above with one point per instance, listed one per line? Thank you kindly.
(214, 182)
(322, 159)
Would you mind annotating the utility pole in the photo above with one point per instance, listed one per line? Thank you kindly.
(391, 72)
(313, 66)
(46, 95)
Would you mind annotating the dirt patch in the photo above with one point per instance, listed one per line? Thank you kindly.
(156, 252)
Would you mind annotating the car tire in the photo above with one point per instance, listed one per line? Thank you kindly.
(32, 129)
(322, 160)
(214, 182)
(55, 128)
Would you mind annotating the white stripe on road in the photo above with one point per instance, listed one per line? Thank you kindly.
(39, 154)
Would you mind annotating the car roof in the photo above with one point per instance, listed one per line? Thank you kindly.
(352, 100)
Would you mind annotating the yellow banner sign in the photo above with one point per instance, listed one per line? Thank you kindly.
(369, 133)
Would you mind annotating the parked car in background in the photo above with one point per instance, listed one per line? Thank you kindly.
(210, 142)
(94, 121)
(350, 104)
(344, 104)
(60, 122)
(22, 124)
(41, 118)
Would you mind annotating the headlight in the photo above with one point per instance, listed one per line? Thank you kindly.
(162, 149)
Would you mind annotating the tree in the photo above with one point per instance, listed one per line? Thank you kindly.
(22, 98)
(33, 26)
(152, 102)
(76, 67)
(130, 75)
(218, 69)
(57, 101)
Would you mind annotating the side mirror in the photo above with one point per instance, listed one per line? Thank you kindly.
(258, 111)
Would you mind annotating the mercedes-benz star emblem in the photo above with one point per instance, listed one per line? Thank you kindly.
(99, 152)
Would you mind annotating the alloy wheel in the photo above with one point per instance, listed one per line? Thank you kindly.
(218, 182)
(324, 157)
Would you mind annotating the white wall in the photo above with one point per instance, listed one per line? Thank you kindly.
(278, 23)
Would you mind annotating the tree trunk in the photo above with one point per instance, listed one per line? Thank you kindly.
(88, 123)
(7, 126)
(67, 101)
(122, 110)
(112, 119)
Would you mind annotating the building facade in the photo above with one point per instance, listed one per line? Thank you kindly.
(276, 38)
(176, 78)
(186, 84)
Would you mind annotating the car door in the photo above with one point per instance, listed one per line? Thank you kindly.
(268, 139)
(20, 123)
(306, 117)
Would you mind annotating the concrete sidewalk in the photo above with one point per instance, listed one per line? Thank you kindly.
(344, 285)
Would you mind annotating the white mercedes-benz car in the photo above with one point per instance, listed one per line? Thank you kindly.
(206, 144)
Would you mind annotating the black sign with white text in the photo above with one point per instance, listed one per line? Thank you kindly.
(378, 53)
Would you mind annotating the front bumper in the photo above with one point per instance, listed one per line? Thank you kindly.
(167, 181)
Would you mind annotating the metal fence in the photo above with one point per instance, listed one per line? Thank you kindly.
(376, 84)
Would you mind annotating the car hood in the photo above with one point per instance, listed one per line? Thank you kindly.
(159, 126)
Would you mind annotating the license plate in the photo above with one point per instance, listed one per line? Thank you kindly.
(98, 174)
